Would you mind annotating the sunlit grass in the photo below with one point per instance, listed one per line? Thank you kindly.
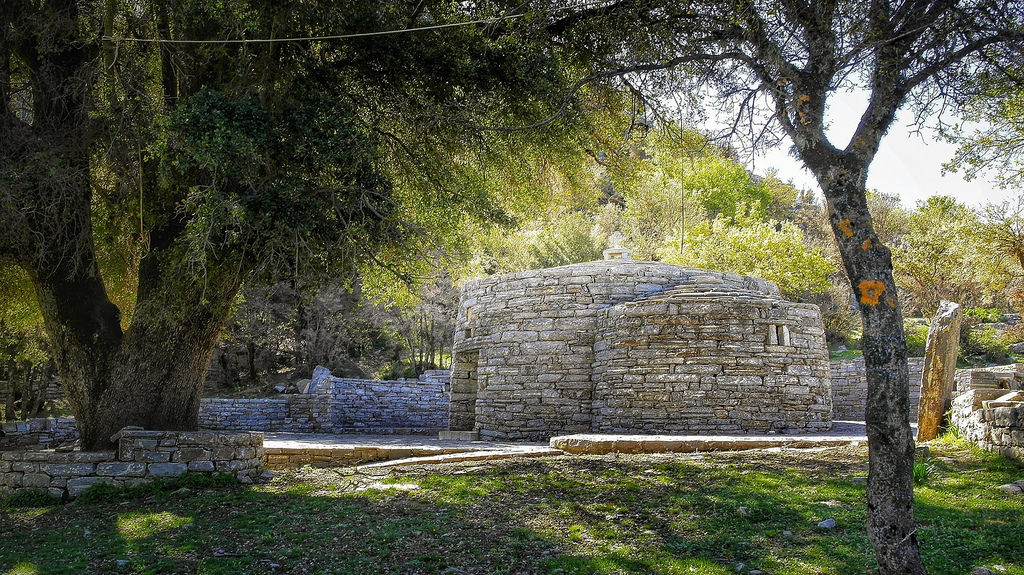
(588, 514)
(23, 569)
(134, 526)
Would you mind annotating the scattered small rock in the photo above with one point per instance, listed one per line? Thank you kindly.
(744, 511)
(787, 533)
(829, 523)
(756, 572)
(182, 492)
(859, 479)
(740, 567)
(280, 388)
(452, 571)
(1011, 488)
(267, 475)
(68, 446)
(220, 552)
(122, 562)
(982, 571)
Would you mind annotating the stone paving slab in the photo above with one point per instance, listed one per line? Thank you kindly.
(291, 450)
(600, 444)
(487, 455)
(330, 441)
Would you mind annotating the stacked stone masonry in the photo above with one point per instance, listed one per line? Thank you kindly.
(37, 433)
(980, 418)
(340, 405)
(141, 456)
(635, 347)
(850, 388)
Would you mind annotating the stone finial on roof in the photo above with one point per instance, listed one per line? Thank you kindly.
(618, 254)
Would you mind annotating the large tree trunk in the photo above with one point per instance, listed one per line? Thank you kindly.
(150, 376)
(890, 490)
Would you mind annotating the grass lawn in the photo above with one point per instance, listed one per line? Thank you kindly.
(565, 515)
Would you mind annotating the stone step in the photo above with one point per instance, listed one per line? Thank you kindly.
(484, 455)
(601, 444)
(449, 435)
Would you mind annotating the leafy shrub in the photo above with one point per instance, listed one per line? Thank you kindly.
(922, 471)
(101, 493)
(30, 498)
(984, 315)
(106, 492)
(405, 369)
(987, 343)
(917, 338)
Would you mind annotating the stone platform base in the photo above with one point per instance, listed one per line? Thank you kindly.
(449, 435)
(485, 455)
(293, 450)
(598, 444)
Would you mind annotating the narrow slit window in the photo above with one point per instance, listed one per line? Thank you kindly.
(778, 335)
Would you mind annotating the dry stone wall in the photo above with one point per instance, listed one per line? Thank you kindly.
(340, 405)
(980, 418)
(526, 367)
(37, 433)
(141, 456)
(698, 360)
(404, 406)
(850, 388)
(294, 412)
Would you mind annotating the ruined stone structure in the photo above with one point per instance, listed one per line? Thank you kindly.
(340, 405)
(850, 388)
(989, 408)
(635, 347)
(141, 456)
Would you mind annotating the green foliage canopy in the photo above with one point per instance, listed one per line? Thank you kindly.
(942, 255)
(767, 249)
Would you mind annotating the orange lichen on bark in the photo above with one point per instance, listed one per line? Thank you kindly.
(870, 291)
(846, 227)
(891, 301)
(867, 245)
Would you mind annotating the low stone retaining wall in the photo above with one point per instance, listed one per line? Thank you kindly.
(850, 388)
(37, 433)
(296, 413)
(366, 405)
(340, 405)
(324, 456)
(141, 456)
(998, 429)
(979, 418)
(1005, 377)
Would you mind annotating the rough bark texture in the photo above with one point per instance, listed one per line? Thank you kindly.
(842, 175)
(939, 369)
(890, 492)
(151, 374)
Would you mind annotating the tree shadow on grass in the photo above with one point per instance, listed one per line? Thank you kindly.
(569, 515)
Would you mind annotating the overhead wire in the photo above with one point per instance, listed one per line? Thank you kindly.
(489, 21)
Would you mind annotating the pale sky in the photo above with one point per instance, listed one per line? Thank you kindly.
(907, 165)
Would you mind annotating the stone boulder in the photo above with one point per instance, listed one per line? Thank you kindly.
(939, 369)
(320, 375)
